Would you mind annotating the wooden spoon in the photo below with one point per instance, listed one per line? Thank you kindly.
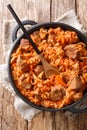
(49, 70)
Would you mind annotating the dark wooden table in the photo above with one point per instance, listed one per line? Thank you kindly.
(39, 11)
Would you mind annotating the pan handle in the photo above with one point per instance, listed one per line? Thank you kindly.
(80, 107)
(15, 31)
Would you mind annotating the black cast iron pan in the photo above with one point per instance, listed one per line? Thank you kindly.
(77, 107)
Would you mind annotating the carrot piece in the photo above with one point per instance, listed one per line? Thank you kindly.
(60, 81)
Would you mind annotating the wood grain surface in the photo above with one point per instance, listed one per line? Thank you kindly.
(39, 11)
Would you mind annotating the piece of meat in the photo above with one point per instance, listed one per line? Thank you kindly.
(23, 82)
(26, 85)
(24, 42)
(38, 69)
(71, 51)
(68, 75)
(75, 84)
(20, 62)
(57, 92)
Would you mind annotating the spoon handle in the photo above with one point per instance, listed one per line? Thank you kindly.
(23, 29)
